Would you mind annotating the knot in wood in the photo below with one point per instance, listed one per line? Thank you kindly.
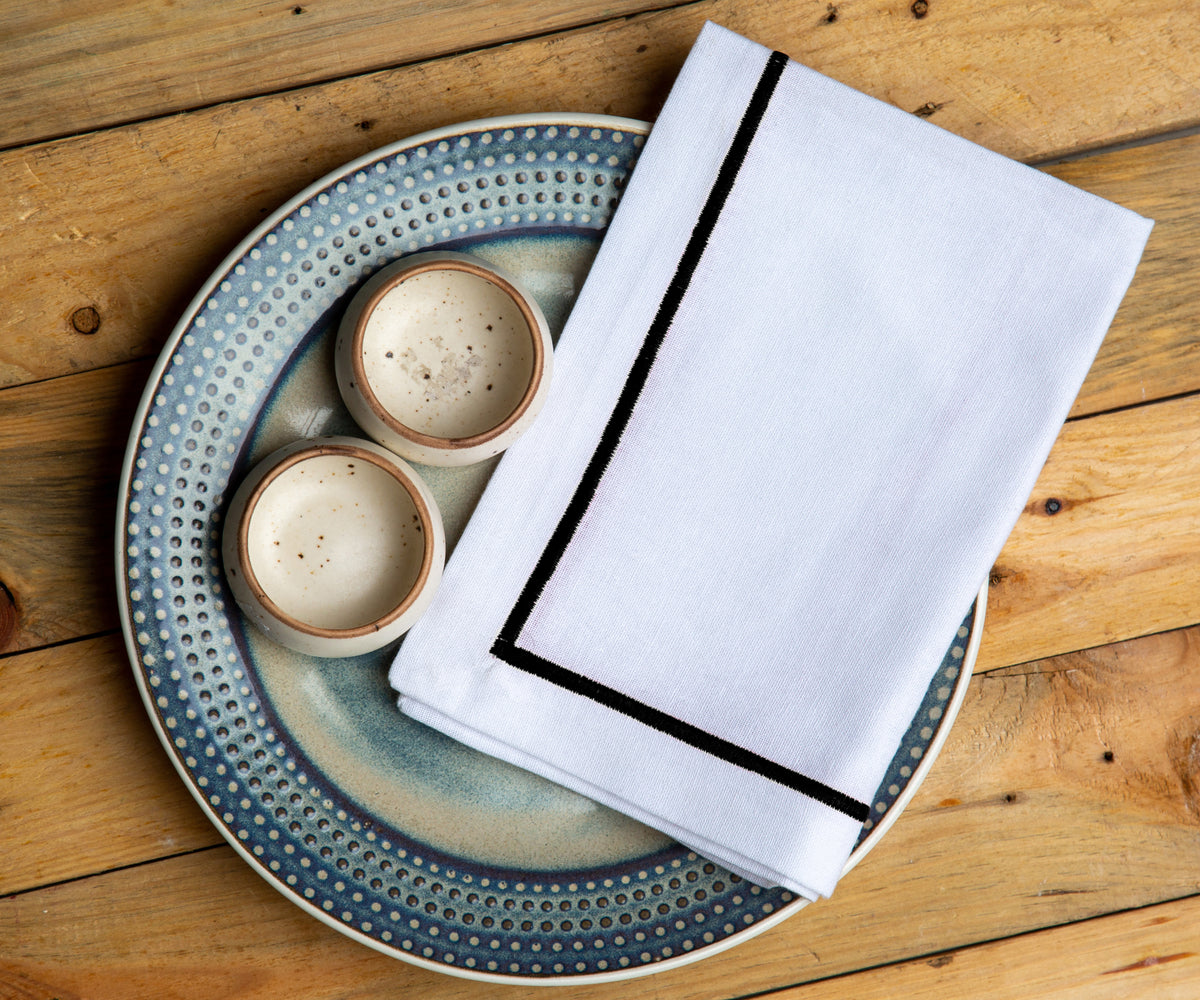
(8, 616)
(85, 320)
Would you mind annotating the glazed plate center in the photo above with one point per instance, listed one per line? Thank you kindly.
(343, 714)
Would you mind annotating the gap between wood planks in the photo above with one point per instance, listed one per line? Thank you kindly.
(1117, 147)
(226, 62)
(1137, 405)
(99, 873)
(939, 959)
(104, 124)
(103, 633)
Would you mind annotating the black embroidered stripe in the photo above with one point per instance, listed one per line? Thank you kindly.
(505, 646)
(712, 745)
(639, 372)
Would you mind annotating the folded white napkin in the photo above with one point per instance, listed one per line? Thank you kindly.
(804, 394)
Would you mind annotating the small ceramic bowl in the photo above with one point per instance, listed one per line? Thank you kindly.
(333, 546)
(443, 358)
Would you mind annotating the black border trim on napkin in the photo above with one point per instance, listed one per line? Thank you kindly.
(505, 646)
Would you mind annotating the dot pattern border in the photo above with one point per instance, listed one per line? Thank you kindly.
(314, 843)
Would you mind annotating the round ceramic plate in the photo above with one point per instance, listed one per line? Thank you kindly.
(384, 829)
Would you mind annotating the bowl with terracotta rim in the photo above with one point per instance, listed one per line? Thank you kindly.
(333, 546)
(443, 358)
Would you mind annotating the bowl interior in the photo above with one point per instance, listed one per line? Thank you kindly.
(334, 539)
(449, 352)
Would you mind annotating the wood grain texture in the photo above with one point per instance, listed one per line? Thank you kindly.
(1068, 789)
(78, 757)
(1152, 349)
(191, 55)
(1152, 952)
(114, 232)
(997, 68)
(61, 445)
(1109, 541)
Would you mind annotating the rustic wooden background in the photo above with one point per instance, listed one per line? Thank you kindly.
(1055, 848)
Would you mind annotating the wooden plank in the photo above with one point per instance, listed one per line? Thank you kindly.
(1109, 541)
(138, 59)
(107, 236)
(1153, 952)
(60, 943)
(1152, 349)
(61, 445)
(84, 783)
(1067, 789)
(1005, 68)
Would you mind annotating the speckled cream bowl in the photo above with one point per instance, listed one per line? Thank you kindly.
(333, 546)
(443, 358)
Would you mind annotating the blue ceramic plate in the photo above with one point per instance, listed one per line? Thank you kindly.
(386, 830)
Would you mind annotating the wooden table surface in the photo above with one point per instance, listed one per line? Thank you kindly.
(1053, 851)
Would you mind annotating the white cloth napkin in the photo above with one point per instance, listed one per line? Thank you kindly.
(804, 394)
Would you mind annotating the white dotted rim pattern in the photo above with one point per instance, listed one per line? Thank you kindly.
(519, 175)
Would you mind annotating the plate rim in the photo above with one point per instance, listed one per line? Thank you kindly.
(153, 382)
